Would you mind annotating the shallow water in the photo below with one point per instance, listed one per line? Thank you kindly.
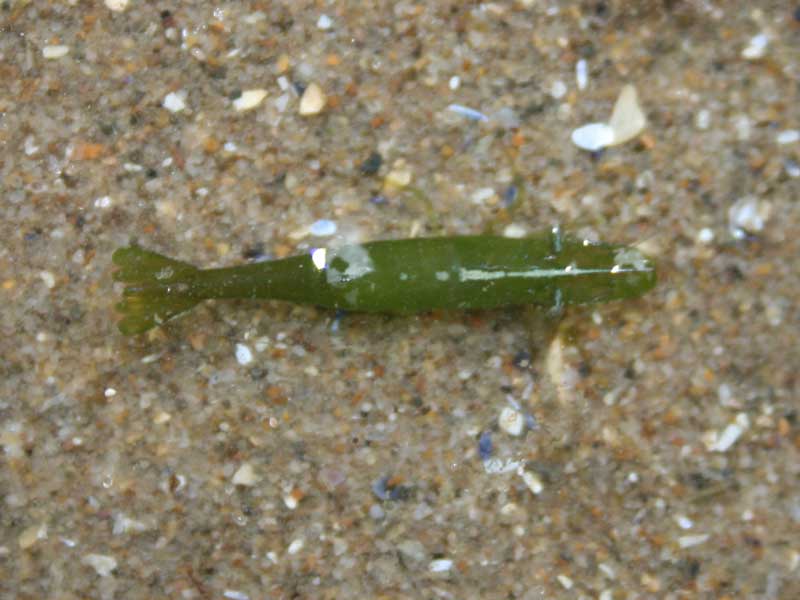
(261, 450)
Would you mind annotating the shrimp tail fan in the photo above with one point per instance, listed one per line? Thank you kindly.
(158, 288)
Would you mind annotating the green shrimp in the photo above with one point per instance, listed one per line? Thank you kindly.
(402, 277)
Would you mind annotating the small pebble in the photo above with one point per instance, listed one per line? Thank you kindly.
(565, 582)
(531, 480)
(705, 235)
(607, 570)
(52, 52)
(506, 118)
(313, 101)
(324, 22)
(103, 565)
(454, 83)
(322, 228)
(498, 465)
(31, 535)
(249, 99)
(792, 168)
(116, 5)
(174, 101)
(743, 127)
(412, 549)
(702, 119)
(514, 230)
(684, 522)
(722, 442)
(440, 565)
(790, 136)
(296, 546)
(124, 524)
(756, 48)
(482, 195)
(511, 421)
(30, 146)
(581, 74)
(747, 215)
(244, 356)
(162, 417)
(593, 137)
(398, 178)
(235, 595)
(48, 278)
(282, 102)
(687, 541)
(558, 89)
(245, 475)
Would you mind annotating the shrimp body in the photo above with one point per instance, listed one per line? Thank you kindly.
(395, 276)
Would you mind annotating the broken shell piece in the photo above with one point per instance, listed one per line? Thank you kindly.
(748, 215)
(249, 100)
(312, 101)
(593, 137)
(627, 119)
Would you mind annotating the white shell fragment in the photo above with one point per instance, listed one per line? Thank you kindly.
(324, 22)
(313, 100)
(514, 230)
(116, 5)
(565, 581)
(688, 541)
(593, 137)
(511, 421)
(175, 101)
(102, 564)
(52, 52)
(466, 111)
(245, 475)
(531, 480)
(747, 215)
(789, 136)
(295, 546)
(627, 121)
(249, 99)
(581, 74)
(756, 48)
(31, 535)
(440, 565)
(724, 440)
(244, 356)
(399, 177)
(558, 89)
(322, 228)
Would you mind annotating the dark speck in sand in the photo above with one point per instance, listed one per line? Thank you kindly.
(485, 445)
(384, 491)
(522, 359)
(372, 164)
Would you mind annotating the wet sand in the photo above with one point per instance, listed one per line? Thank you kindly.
(262, 450)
